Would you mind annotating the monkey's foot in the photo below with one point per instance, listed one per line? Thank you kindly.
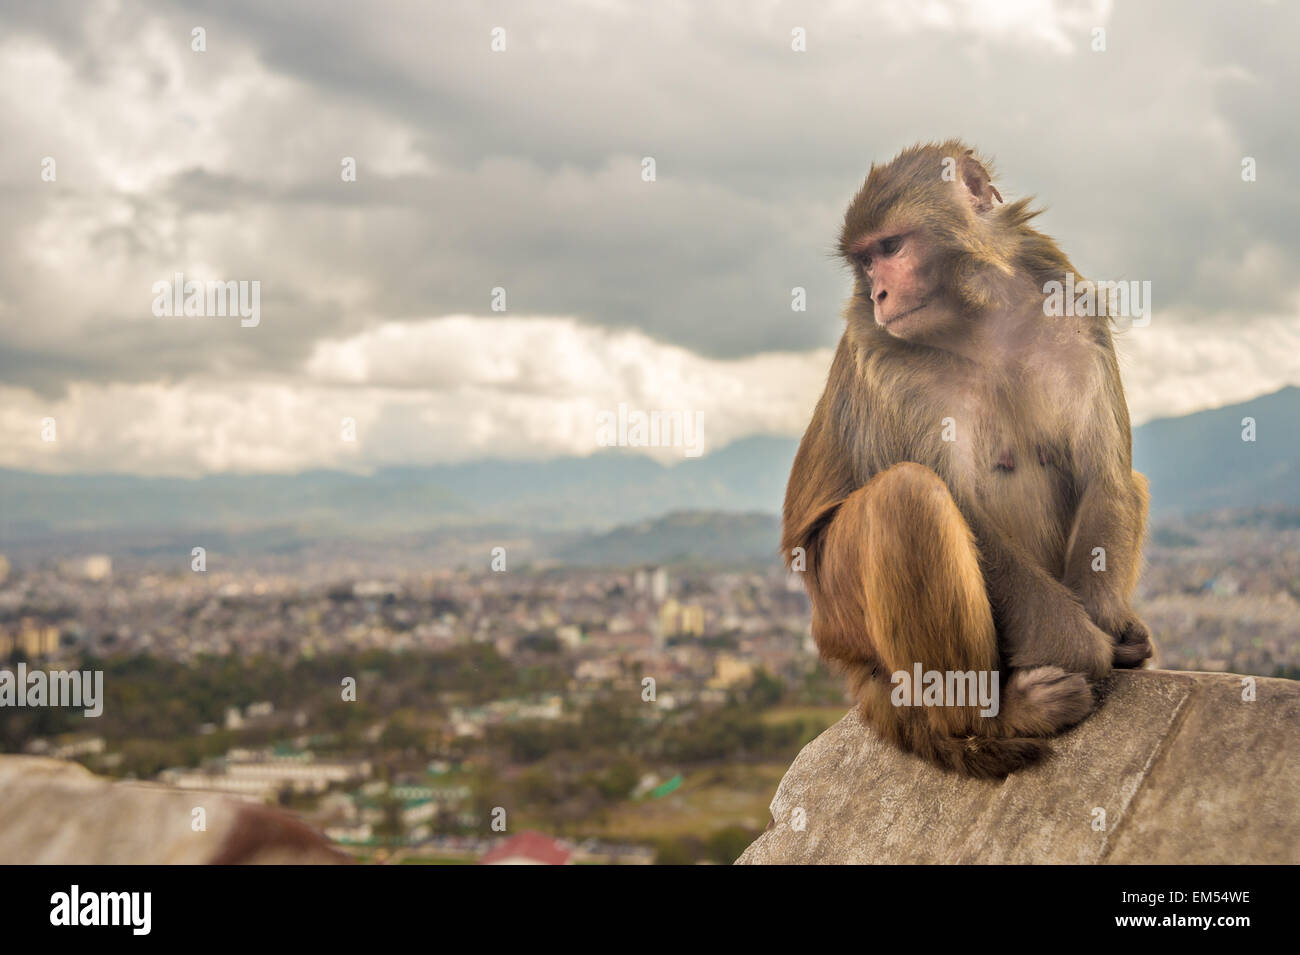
(1045, 700)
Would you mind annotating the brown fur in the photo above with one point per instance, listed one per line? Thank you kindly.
(974, 553)
(263, 835)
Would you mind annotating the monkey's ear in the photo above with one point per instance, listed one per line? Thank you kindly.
(979, 188)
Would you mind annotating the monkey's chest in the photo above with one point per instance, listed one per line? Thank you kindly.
(1012, 462)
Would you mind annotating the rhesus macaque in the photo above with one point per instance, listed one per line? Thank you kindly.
(964, 497)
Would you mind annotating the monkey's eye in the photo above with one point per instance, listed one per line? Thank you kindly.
(891, 245)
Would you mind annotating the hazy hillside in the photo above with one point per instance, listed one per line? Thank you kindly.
(685, 535)
(1199, 462)
(598, 492)
(1195, 463)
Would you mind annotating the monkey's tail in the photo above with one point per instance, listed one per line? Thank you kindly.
(987, 757)
(1036, 703)
(932, 737)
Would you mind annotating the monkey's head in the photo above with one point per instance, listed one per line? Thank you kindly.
(928, 242)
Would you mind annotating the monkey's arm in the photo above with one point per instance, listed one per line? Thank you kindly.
(1104, 550)
(1040, 621)
(821, 477)
(819, 483)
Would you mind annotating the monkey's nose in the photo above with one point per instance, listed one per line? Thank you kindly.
(879, 296)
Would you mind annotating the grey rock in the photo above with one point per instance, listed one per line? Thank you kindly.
(1185, 770)
(55, 812)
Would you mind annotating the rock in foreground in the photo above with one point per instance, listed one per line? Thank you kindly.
(1184, 770)
(57, 812)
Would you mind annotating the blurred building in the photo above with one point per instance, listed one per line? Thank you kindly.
(31, 638)
(652, 582)
(264, 775)
(730, 671)
(677, 618)
(528, 848)
(93, 567)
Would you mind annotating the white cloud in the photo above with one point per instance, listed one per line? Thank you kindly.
(446, 389)
(1062, 27)
(1174, 367)
(155, 108)
(462, 387)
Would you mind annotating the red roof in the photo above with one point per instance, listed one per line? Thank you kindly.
(534, 846)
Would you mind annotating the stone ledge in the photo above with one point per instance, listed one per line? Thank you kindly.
(1186, 771)
(54, 812)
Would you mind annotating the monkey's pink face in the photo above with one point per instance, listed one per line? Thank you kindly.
(895, 267)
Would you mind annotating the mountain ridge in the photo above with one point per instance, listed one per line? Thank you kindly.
(1195, 463)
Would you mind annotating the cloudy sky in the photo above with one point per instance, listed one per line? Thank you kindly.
(521, 169)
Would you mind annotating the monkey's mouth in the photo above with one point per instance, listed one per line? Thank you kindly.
(915, 308)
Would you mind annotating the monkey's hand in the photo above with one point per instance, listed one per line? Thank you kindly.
(1132, 639)
(1065, 637)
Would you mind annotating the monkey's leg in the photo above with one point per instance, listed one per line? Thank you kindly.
(897, 583)
(1041, 621)
(1103, 558)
